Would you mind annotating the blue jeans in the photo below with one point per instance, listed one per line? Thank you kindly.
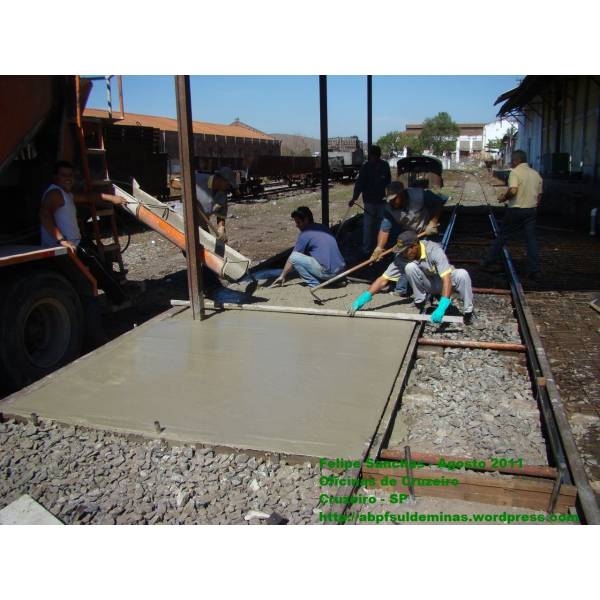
(371, 222)
(309, 269)
(515, 220)
(402, 285)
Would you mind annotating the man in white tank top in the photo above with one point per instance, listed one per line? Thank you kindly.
(58, 214)
(59, 227)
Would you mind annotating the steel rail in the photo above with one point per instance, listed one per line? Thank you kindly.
(562, 443)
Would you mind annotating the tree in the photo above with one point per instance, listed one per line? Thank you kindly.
(495, 144)
(394, 142)
(439, 134)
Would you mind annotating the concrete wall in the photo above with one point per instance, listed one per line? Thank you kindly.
(529, 138)
(565, 118)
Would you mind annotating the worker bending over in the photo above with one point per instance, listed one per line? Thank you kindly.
(59, 226)
(211, 193)
(428, 272)
(316, 256)
(413, 209)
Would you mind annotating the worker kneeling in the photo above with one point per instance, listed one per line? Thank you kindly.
(316, 256)
(428, 272)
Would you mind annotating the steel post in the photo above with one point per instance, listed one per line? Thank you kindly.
(324, 151)
(369, 112)
(192, 236)
(121, 105)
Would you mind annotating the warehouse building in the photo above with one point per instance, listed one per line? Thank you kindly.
(559, 129)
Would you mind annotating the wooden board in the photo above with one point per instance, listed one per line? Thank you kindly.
(478, 487)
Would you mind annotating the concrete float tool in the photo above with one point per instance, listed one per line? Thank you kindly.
(298, 310)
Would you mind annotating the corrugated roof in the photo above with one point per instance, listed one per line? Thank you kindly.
(167, 124)
(519, 97)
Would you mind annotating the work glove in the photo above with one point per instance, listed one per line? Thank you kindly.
(360, 302)
(431, 229)
(440, 311)
(376, 254)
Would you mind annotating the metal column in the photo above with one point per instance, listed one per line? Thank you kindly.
(192, 237)
(369, 112)
(324, 151)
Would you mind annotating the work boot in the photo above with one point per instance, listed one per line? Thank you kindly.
(468, 318)
(420, 306)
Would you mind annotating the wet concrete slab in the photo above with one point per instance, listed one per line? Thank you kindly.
(295, 384)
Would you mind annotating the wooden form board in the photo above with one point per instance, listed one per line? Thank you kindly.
(478, 487)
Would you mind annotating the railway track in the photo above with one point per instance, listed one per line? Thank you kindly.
(564, 474)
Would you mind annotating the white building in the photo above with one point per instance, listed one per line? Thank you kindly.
(469, 143)
(496, 130)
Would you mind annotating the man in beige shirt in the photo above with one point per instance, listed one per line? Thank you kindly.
(523, 198)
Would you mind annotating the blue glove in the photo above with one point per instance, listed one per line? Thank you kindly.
(438, 313)
(361, 301)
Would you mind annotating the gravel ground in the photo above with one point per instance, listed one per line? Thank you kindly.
(470, 403)
(88, 476)
(494, 322)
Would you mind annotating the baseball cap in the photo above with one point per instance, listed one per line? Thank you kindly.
(405, 240)
(229, 176)
(395, 188)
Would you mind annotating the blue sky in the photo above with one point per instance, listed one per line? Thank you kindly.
(290, 104)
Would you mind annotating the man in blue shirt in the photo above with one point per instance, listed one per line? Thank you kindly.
(316, 256)
(374, 176)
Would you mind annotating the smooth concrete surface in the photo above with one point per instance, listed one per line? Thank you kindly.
(26, 511)
(296, 384)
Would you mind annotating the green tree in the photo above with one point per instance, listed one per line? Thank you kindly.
(495, 144)
(439, 134)
(394, 142)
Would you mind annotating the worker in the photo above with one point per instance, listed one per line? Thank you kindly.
(374, 176)
(413, 209)
(316, 256)
(428, 272)
(523, 197)
(59, 227)
(211, 193)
